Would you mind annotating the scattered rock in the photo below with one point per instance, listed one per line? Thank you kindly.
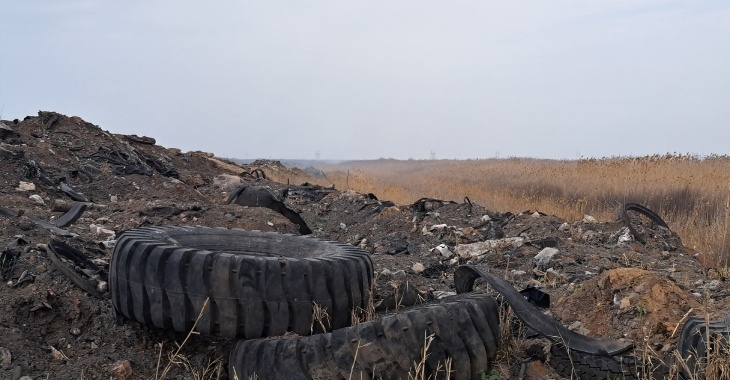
(26, 186)
(418, 268)
(578, 327)
(121, 370)
(101, 231)
(712, 285)
(58, 355)
(589, 219)
(564, 227)
(37, 199)
(6, 358)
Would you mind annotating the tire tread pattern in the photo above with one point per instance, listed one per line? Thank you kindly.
(156, 280)
(388, 347)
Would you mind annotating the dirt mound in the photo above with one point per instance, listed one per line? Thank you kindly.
(647, 304)
(597, 273)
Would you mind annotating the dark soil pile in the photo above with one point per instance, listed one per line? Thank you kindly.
(601, 280)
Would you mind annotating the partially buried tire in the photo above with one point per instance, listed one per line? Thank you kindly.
(257, 284)
(464, 328)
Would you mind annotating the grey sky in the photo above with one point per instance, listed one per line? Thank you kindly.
(466, 79)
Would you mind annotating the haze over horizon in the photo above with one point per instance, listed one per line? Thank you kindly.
(469, 79)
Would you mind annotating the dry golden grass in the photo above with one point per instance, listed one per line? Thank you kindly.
(692, 195)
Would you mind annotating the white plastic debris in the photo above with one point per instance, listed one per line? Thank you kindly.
(625, 237)
(440, 294)
(438, 227)
(443, 250)
(468, 251)
(543, 257)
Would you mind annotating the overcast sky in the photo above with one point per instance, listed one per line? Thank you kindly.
(370, 79)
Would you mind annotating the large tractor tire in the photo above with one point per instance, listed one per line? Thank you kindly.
(464, 328)
(257, 284)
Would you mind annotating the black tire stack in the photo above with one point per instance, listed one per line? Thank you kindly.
(260, 284)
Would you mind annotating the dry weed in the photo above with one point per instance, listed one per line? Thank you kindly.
(177, 358)
(692, 195)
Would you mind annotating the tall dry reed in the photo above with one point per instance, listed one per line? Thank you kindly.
(692, 195)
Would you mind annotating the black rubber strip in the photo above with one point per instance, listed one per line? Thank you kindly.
(72, 193)
(71, 216)
(50, 226)
(4, 211)
(644, 211)
(464, 278)
(87, 286)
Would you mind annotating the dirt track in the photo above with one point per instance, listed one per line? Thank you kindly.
(601, 281)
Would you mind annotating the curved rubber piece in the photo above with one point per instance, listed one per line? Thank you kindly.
(257, 283)
(50, 226)
(580, 365)
(56, 248)
(421, 204)
(693, 344)
(258, 174)
(385, 348)
(464, 278)
(72, 193)
(71, 216)
(257, 196)
(644, 211)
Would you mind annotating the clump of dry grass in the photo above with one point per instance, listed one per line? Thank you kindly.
(211, 371)
(692, 195)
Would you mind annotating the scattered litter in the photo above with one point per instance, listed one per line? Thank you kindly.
(589, 219)
(543, 257)
(37, 199)
(26, 186)
(442, 250)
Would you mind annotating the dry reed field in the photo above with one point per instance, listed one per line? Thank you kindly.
(692, 195)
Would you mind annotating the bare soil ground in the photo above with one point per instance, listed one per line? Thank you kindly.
(601, 281)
